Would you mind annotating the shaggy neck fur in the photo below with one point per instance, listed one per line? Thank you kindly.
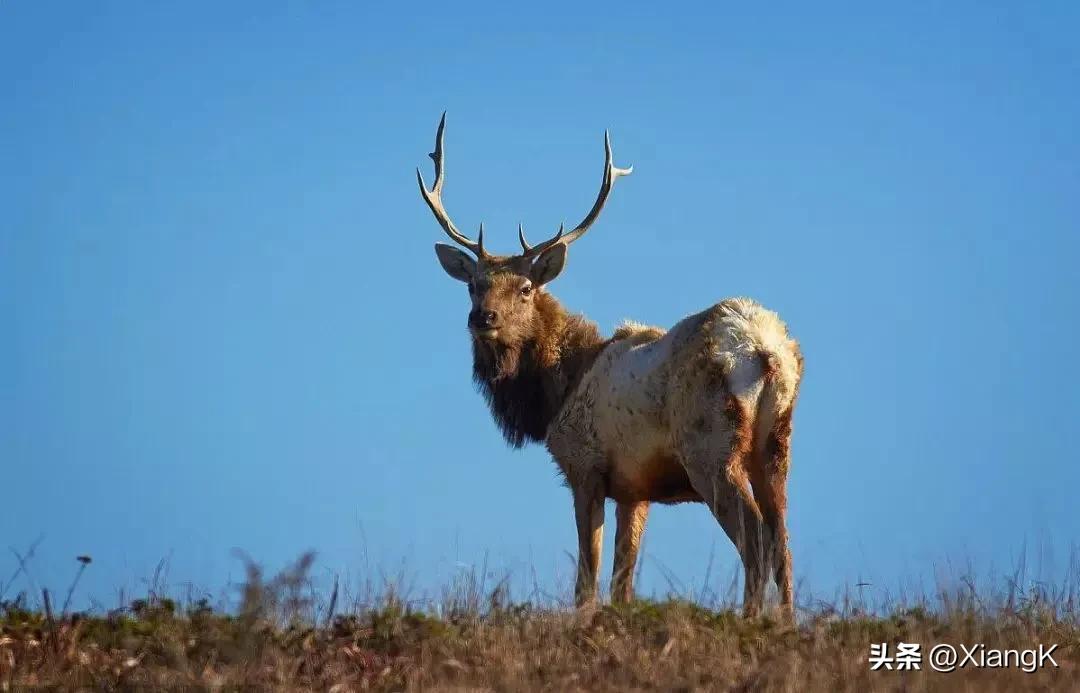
(526, 384)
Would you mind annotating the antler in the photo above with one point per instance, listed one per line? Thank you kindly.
(611, 172)
(434, 198)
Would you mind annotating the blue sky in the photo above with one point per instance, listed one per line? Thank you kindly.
(223, 324)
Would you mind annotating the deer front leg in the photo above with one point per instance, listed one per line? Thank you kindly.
(629, 527)
(589, 513)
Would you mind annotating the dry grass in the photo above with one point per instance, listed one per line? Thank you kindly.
(277, 637)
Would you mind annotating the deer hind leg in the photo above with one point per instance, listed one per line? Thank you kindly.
(715, 453)
(769, 479)
(629, 526)
(589, 514)
(735, 509)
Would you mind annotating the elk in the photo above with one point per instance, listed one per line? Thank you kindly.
(698, 413)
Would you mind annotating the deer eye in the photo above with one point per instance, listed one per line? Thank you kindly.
(526, 290)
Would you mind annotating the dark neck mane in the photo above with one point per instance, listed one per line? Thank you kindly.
(525, 385)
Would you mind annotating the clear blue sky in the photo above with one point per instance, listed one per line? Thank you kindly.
(222, 323)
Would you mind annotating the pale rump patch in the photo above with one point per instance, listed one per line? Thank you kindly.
(743, 334)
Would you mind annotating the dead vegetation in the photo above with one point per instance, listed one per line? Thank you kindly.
(280, 636)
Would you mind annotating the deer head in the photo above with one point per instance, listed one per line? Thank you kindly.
(504, 289)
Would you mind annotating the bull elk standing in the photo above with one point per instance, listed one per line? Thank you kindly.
(699, 413)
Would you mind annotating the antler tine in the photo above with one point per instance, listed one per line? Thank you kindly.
(521, 237)
(531, 250)
(611, 172)
(434, 197)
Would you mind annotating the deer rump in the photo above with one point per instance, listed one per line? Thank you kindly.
(659, 412)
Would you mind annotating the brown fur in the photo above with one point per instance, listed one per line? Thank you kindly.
(630, 521)
(525, 382)
(762, 466)
(768, 476)
(639, 333)
(663, 481)
(740, 463)
(778, 446)
(776, 456)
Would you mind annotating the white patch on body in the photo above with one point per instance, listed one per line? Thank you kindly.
(630, 398)
(744, 331)
(620, 416)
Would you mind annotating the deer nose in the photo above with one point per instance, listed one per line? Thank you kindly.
(484, 318)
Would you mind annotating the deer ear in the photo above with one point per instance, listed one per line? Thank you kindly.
(456, 263)
(549, 264)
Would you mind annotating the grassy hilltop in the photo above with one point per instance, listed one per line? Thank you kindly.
(279, 637)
